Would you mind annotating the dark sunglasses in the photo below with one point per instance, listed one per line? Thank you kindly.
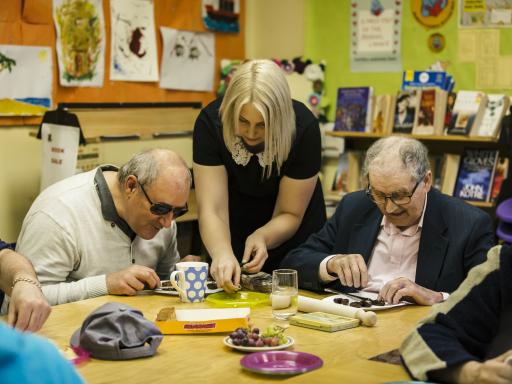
(162, 209)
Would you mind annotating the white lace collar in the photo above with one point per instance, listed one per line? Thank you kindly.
(242, 156)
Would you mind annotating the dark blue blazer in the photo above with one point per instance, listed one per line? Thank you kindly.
(454, 238)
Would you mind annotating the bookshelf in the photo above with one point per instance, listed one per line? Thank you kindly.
(436, 144)
(441, 138)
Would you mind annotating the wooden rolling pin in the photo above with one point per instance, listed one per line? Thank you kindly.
(307, 304)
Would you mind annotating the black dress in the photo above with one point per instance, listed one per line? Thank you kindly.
(251, 197)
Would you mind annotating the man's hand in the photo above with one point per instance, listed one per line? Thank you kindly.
(495, 371)
(28, 308)
(255, 253)
(350, 269)
(132, 279)
(191, 258)
(226, 272)
(394, 290)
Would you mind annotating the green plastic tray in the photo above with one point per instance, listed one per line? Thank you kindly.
(238, 299)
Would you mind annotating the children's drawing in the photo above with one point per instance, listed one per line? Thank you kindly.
(133, 56)
(25, 80)
(80, 42)
(221, 15)
(188, 60)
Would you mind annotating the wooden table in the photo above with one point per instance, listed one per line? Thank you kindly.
(205, 359)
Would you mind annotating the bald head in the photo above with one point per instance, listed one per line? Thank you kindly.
(151, 164)
(396, 153)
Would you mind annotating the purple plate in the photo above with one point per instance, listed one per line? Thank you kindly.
(281, 362)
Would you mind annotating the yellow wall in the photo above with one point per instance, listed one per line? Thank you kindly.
(20, 170)
(274, 29)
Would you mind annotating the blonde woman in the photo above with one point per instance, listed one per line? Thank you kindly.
(256, 163)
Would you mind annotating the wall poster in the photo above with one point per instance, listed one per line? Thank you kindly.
(375, 35)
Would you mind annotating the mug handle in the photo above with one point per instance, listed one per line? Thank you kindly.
(175, 284)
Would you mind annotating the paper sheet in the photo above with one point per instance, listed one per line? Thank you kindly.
(188, 60)
(60, 149)
(133, 55)
(80, 42)
(25, 80)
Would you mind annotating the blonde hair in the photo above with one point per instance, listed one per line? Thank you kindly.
(262, 83)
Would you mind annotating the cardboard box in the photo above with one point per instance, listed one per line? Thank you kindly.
(205, 321)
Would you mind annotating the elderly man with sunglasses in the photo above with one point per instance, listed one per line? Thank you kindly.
(107, 231)
(400, 237)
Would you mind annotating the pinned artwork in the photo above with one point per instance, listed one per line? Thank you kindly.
(188, 60)
(375, 35)
(485, 13)
(221, 15)
(26, 80)
(432, 13)
(436, 42)
(80, 42)
(133, 54)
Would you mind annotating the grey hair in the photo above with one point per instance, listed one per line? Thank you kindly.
(262, 83)
(146, 166)
(412, 153)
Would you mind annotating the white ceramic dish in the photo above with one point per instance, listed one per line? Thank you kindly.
(229, 343)
(369, 295)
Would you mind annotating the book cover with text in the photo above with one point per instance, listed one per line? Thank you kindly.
(476, 173)
(405, 111)
(353, 109)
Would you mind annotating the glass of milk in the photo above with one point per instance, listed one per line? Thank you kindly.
(285, 293)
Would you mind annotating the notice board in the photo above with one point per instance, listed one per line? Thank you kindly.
(30, 22)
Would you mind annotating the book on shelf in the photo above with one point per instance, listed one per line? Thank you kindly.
(353, 109)
(405, 111)
(436, 167)
(500, 174)
(431, 109)
(450, 167)
(420, 79)
(348, 173)
(467, 113)
(340, 181)
(382, 114)
(476, 174)
(450, 102)
(497, 106)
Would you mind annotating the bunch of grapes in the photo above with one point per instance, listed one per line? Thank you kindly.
(251, 337)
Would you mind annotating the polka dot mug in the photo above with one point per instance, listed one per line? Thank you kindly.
(189, 279)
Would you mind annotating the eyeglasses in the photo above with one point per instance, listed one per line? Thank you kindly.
(398, 198)
(161, 209)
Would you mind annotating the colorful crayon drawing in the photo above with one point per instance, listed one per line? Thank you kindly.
(80, 42)
(26, 80)
(221, 15)
(133, 55)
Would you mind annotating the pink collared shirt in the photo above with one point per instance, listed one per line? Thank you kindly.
(395, 255)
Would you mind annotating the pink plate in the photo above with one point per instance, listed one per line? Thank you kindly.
(281, 362)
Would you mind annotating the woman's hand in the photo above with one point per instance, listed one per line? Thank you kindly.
(255, 253)
(226, 272)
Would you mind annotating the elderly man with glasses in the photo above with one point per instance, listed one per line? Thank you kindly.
(400, 237)
(108, 231)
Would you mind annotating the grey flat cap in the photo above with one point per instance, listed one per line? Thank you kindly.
(117, 331)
